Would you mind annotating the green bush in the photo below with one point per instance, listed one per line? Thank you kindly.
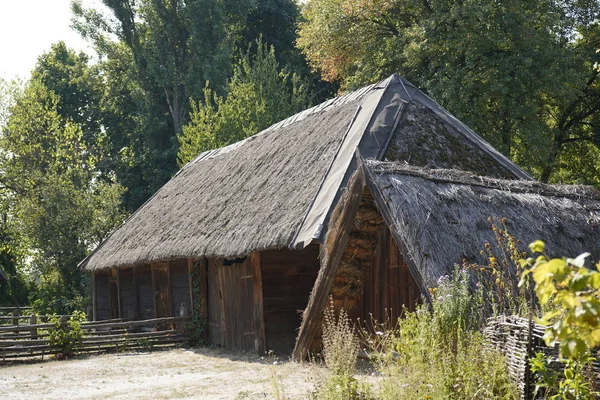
(66, 334)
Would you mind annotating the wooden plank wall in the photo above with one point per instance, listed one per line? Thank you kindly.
(146, 292)
(214, 303)
(287, 280)
(180, 284)
(388, 284)
(128, 296)
(237, 293)
(102, 295)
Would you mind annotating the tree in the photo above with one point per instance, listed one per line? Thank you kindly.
(56, 198)
(518, 72)
(259, 95)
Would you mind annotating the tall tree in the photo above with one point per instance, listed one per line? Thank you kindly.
(518, 72)
(57, 199)
(259, 95)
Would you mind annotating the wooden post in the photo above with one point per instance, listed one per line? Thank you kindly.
(136, 286)
(204, 287)
(260, 340)
(33, 332)
(119, 313)
(16, 314)
(174, 310)
(224, 311)
(94, 298)
(190, 262)
(154, 289)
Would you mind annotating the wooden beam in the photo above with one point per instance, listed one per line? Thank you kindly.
(221, 274)
(190, 264)
(204, 287)
(260, 339)
(174, 311)
(94, 297)
(119, 313)
(340, 226)
(136, 286)
(154, 289)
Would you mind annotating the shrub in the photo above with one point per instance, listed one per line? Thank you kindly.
(66, 335)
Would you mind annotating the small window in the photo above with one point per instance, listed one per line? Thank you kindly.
(234, 261)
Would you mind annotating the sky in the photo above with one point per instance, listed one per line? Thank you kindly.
(29, 27)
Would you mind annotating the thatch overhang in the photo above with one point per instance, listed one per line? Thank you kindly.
(440, 217)
(277, 189)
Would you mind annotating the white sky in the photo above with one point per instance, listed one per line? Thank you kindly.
(29, 27)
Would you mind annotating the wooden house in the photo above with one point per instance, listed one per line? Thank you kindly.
(257, 235)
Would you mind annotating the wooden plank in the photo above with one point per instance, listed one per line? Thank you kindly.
(204, 287)
(190, 265)
(136, 286)
(94, 298)
(260, 340)
(119, 303)
(214, 303)
(173, 310)
(223, 321)
(340, 226)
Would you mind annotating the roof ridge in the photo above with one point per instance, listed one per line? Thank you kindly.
(469, 179)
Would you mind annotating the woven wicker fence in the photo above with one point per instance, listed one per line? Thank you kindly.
(519, 339)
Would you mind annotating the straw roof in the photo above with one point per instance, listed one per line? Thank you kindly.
(278, 188)
(440, 217)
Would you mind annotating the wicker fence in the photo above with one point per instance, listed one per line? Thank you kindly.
(519, 339)
(31, 340)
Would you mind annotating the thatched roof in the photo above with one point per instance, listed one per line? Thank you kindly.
(277, 189)
(440, 217)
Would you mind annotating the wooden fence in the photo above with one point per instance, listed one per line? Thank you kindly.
(520, 339)
(32, 340)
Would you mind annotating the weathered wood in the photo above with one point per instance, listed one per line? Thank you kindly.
(190, 267)
(16, 314)
(204, 287)
(171, 303)
(260, 340)
(335, 243)
(215, 309)
(94, 298)
(33, 332)
(136, 286)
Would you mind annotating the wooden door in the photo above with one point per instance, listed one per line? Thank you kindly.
(237, 291)
(161, 286)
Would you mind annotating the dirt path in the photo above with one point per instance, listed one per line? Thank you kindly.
(173, 374)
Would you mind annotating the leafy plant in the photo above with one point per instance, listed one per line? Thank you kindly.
(438, 352)
(66, 335)
(570, 296)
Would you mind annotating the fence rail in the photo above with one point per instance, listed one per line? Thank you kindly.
(32, 340)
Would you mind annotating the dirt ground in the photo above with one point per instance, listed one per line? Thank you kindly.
(170, 374)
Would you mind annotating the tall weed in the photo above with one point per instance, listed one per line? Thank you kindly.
(438, 352)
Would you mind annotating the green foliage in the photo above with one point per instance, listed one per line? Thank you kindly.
(570, 296)
(259, 95)
(67, 335)
(56, 198)
(573, 293)
(439, 353)
(518, 72)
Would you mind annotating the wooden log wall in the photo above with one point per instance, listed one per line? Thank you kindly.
(287, 280)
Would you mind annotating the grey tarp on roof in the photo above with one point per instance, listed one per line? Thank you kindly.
(277, 188)
(440, 217)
